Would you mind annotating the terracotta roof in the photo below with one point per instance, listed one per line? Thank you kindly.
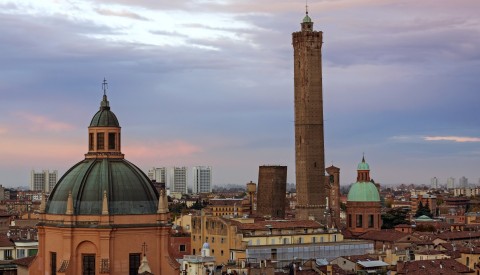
(356, 258)
(336, 270)
(24, 261)
(279, 225)
(444, 267)
(5, 241)
(383, 235)
(458, 235)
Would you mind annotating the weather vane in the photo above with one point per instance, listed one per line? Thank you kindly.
(306, 7)
(104, 86)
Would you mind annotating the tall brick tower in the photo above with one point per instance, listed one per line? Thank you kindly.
(309, 145)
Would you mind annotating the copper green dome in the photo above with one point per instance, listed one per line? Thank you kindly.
(363, 165)
(364, 192)
(104, 117)
(128, 189)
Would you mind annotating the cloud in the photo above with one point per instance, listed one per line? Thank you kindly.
(39, 123)
(122, 13)
(452, 138)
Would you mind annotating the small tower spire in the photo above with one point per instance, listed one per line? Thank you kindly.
(306, 7)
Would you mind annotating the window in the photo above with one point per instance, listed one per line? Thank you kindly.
(273, 241)
(100, 141)
(133, 263)
(370, 221)
(222, 240)
(182, 248)
(314, 239)
(88, 266)
(7, 254)
(111, 141)
(221, 252)
(20, 253)
(349, 220)
(359, 220)
(193, 251)
(213, 239)
(32, 252)
(53, 263)
(90, 141)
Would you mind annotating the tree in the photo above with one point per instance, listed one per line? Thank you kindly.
(394, 217)
(423, 210)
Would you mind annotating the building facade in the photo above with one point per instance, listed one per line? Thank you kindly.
(202, 179)
(177, 179)
(309, 137)
(434, 183)
(43, 181)
(103, 213)
(158, 174)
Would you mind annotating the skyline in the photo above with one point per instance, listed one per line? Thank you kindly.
(211, 83)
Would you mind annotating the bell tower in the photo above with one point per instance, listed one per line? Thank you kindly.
(309, 140)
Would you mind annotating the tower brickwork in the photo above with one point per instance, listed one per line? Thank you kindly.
(272, 187)
(309, 138)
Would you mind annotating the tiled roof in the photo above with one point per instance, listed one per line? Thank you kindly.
(458, 235)
(383, 235)
(444, 267)
(24, 261)
(279, 225)
(5, 241)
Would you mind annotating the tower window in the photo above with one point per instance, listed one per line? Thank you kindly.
(359, 221)
(370, 221)
(90, 142)
(100, 141)
(111, 141)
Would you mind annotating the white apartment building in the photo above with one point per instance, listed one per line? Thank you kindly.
(43, 181)
(158, 174)
(450, 183)
(434, 183)
(177, 180)
(202, 179)
(462, 182)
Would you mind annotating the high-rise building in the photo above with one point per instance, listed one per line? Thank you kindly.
(272, 187)
(463, 182)
(309, 139)
(202, 179)
(177, 179)
(43, 181)
(450, 183)
(158, 174)
(434, 183)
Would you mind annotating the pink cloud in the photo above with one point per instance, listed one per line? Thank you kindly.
(169, 149)
(38, 123)
(452, 138)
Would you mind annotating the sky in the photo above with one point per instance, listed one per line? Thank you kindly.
(210, 82)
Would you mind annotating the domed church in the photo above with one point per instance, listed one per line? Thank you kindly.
(104, 214)
(363, 203)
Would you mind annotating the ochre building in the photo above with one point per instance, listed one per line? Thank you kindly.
(104, 214)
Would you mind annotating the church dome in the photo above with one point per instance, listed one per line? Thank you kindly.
(128, 189)
(103, 172)
(363, 192)
(104, 117)
(363, 165)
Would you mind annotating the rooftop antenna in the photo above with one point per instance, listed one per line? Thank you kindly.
(104, 86)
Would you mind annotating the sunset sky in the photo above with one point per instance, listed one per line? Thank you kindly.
(210, 82)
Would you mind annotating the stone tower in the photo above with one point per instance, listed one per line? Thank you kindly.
(272, 187)
(309, 145)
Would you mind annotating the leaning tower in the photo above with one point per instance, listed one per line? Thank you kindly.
(309, 144)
